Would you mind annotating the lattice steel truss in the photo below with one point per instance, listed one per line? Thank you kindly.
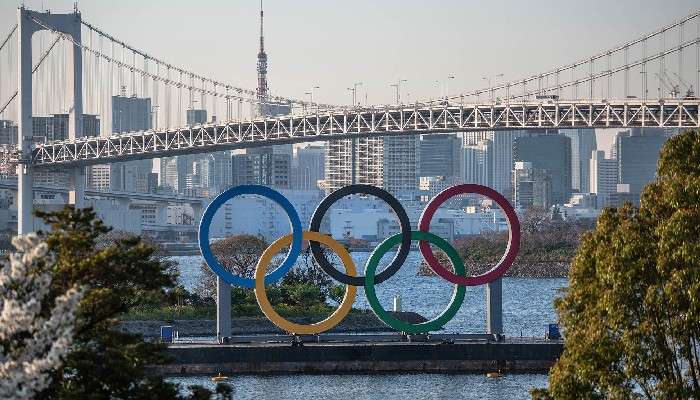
(346, 124)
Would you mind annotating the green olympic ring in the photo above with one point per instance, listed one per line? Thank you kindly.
(423, 327)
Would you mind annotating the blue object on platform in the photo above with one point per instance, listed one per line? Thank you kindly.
(166, 333)
(553, 332)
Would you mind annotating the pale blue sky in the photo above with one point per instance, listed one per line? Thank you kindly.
(333, 44)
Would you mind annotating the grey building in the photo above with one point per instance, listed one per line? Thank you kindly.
(583, 143)
(200, 174)
(476, 163)
(637, 155)
(262, 166)
(400, 165)
(8, 132)
(55, 127)
(603, 177)
(440, 155)
(532, 187)
(552, 153)
(309, 167)
(129, 114)
(501, 158)
(195, 116)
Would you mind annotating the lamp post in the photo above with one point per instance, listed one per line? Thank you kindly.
(353, 89)
(154, 116)
(312, 92)
(490, 80)
(447, 86)
(397, 85)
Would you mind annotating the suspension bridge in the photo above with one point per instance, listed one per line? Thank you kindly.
(52, 63)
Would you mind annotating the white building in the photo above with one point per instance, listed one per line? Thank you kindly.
(603, 177)
(391, 163)
(259, 216)
(475, 165)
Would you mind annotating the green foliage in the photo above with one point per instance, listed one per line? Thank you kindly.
(542, 240)
(304, 291)
(104, 362)
(631, 315)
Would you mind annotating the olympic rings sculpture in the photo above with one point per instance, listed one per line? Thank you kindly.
(350, 278)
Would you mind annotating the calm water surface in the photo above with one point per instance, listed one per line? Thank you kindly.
(527, 308)
(383, 387)
(527, 302)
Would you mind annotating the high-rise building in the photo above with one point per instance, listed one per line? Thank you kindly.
(262, 166)
(350, 161)
(129, 114)
(207, 174)
(430, 186)
(603, 177)
(638, 155)
(532, 187)
(391, 163)
(440, 155)
(548, 152)
(476, 163)
(308, 167)
(173, 174)
(400, 165)
(583, 143)
(55, 127)
(474, 138)
(195, 116)
(501, 156)
(220, 172)
(8, 132)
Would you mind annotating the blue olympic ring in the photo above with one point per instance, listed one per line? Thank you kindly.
(292, 255)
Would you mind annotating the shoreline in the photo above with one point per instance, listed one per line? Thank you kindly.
(361, 322)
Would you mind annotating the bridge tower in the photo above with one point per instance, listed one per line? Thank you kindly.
(28, 23)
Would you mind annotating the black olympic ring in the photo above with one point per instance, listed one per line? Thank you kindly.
(404, 222)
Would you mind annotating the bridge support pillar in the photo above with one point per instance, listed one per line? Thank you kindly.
(25, 199)
(196, 213)
(223, 309)
(27, 25)
(494, 307)
(76, 197)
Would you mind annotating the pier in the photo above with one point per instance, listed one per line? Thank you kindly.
(362, 354)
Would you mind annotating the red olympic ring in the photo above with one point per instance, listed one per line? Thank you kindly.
(513, 235)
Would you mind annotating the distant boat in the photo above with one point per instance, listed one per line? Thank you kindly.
(219, 378)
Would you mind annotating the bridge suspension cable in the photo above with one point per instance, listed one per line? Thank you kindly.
(9, 35)
(242, 92)
(557, 73)
(43, 57)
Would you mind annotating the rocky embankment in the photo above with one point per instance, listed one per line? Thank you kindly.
(519, 269)
(359, 322)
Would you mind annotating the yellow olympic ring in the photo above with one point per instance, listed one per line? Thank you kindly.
(264, 303)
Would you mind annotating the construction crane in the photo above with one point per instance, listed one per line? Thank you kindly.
(690, 93)
(666, 82)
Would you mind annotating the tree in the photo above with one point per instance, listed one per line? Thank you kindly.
(238, 254)
(105, 362)
(304, 286)
(34, 340)
(631, 314)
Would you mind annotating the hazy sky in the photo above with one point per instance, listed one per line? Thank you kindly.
(333, 44)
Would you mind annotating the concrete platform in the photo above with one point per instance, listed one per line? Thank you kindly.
(360, 357)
